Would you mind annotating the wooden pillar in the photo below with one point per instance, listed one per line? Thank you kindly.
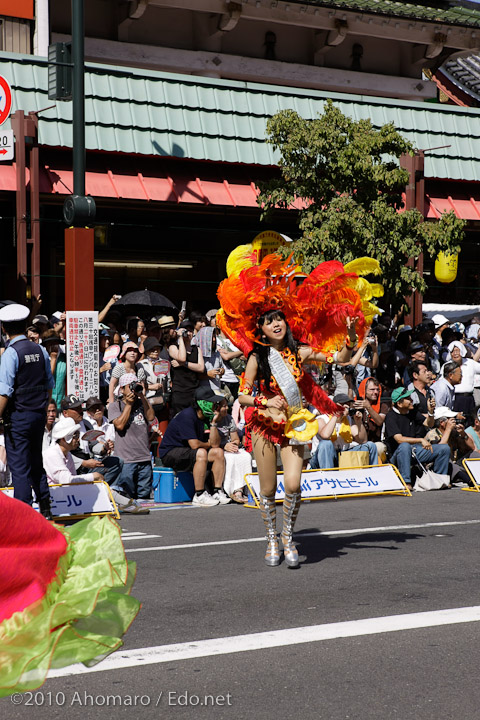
(28, 248)
(18, 126)
(415, 198)
(79, 271)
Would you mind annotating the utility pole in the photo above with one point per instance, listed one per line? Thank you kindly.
(79, 209)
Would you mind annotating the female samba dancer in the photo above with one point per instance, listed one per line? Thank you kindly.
(281, 319)
(268, 424)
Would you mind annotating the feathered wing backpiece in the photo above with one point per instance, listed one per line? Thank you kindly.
(316, 310)
(331, 293)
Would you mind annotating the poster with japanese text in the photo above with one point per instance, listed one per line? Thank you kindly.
(82, 354)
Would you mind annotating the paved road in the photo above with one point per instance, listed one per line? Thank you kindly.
(378, 572)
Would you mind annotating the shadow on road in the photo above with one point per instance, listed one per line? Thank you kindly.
(316, 548)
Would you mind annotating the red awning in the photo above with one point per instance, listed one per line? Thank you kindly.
(177, 189)
(466, 205)
(239, 190)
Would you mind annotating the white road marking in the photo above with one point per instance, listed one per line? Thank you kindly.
(354, 531)
(275, 638)
(131, 533)
(138, 536)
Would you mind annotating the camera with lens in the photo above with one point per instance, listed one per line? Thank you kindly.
(352, 411)
(136, 387)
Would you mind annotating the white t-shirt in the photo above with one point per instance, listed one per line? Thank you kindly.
(339, 442)
(106, 427)
(225, 344)
(151, 378)
(470, 368)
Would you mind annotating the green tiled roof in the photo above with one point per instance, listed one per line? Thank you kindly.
(153, 113)
(451, 13)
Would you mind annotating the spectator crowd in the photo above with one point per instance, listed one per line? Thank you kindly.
(168, 388)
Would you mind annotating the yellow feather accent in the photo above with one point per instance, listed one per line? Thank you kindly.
(344, 431)
(241, 257)
(376, 289)
(369, 311)
(363, 288)
(363, 266)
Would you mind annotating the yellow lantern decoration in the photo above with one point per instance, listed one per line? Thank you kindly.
(446, 267)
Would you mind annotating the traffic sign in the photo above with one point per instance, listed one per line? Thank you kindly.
(6, 145)
(5, 100)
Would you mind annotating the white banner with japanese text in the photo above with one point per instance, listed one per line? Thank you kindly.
(79, 499)
(317, 484)
(82, 354)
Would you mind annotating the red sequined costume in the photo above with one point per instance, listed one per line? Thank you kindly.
(261, 422)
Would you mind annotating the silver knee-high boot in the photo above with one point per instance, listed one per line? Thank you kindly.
(291, 505)
(269, 514)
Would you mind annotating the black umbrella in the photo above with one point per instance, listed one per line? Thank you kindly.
(145, 298)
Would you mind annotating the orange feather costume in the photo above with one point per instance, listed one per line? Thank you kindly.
(315, 309)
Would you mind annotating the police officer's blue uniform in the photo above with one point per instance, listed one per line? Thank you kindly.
(26, 378)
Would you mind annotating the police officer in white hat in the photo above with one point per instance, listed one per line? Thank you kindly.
(26, 384)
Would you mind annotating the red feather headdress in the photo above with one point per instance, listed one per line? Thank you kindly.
(315, 310)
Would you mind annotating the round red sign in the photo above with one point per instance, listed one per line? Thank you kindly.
(5, 100)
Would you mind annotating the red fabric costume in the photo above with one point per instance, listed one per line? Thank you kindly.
(64, 594)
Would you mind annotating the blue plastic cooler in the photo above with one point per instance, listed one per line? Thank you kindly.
(171, 488)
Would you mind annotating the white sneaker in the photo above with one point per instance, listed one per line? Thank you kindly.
(205, 500)
(128, 505)
(122, 501)
(135, 508)
(222, 497)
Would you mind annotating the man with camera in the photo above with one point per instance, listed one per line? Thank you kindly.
(343, 432)
(369, 400)
(186, 447)
(131, 414)
(419, 375)
(405, 429)
(450, 431)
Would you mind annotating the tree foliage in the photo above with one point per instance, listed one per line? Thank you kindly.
(347, 175)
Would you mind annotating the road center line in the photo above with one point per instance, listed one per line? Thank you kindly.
(274, 638)
(354, 531)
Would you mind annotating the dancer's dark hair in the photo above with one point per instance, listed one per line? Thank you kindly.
(260, 349)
